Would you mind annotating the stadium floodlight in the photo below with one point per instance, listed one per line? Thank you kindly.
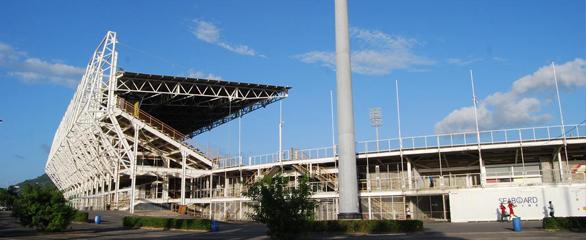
(376, 121)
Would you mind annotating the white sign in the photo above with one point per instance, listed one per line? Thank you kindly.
(531, 202)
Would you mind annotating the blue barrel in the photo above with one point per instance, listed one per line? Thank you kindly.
(98, 219)
(215, 226)
(517, 224)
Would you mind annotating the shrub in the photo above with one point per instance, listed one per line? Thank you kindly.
(80, 216)
(166, 223)
(577, 224)
(366, 226)
(285, 210)
(43, 208)
(7, 196)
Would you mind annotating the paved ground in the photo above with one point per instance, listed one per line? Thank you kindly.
(111, 229)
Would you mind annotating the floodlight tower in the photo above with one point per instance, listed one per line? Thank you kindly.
(347, 182)
(376, 121)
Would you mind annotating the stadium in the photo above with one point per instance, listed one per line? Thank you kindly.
(121, 146)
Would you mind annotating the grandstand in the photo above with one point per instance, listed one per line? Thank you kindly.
(121, 146)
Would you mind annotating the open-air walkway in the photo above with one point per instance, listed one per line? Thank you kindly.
(111, 228)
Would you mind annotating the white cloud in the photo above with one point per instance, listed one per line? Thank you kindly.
(206, 31)
(499, 59)
(210, 33)
(240, 49)
(517, 107)
(472, 60)
(192, 73)
(327, 59)
(376, 53)
(462, 61)
(570, 75)
(9, 55)
(35, 70)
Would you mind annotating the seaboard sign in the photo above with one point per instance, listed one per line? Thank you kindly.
(521, 201)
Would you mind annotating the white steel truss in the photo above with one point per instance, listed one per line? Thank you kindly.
(100, 142)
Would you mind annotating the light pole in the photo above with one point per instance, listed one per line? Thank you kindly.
(480, 162)
(281, 133)
(347, 176)
(376, 121)
(401, 139)
(557, 91)
(333, 131)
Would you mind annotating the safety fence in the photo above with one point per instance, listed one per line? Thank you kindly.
(517, 135)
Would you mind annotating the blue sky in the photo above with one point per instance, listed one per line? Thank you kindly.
(428, 46)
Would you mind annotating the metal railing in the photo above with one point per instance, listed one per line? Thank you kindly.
(323, 186)
(228, 162)
(287, 155)
(151, 121)
(465, 180)
(162, 127)
(470, 138)
(548, 133)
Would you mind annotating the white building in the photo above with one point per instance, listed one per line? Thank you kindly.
(121, 145)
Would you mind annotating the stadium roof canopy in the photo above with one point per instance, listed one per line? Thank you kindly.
(194, 105)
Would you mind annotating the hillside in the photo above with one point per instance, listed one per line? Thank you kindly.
(43, 180)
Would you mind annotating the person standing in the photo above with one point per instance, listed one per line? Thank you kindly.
(431, 185)
(511, 210)
(551, 210)
(408, 213)
(503, 212)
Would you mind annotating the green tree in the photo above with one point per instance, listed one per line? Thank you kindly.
(43, 208)
(7, 196)
(285, 210)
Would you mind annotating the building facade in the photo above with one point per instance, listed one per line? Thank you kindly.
(122, 146)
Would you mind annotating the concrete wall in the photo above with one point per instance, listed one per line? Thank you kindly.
(482, 204)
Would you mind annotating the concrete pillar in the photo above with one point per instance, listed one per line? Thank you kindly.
(347, 180)
(94, 192)
(240, 212)
(210, 182)
(133, 168)
(109, 196)
(482, 173)
(165, 190)
(409, 174)
(183, 167)
(226, 183)
(561, 169)
(117, 184)
(102, 192)
(369, 209)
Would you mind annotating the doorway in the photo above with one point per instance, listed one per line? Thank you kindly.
(430, 207)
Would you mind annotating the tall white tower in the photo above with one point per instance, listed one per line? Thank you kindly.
(347, 176)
